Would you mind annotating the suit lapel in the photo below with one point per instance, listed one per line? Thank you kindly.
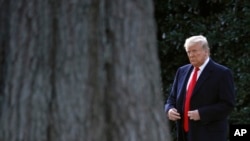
(204, 75)
(186, 74)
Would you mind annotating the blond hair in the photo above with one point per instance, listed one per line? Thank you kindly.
(198, 39)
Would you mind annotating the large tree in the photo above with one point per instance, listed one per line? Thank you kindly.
(74, 70)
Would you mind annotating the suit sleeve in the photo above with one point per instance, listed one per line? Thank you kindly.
(171, 100)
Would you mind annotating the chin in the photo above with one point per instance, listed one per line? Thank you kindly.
(195, 65)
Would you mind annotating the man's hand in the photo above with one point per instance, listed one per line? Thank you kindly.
(194, 115)
(173, 114)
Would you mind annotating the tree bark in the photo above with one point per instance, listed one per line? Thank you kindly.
(81, 70)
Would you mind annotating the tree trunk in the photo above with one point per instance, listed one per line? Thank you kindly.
(80, 70)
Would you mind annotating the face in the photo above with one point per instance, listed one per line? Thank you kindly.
(197, 55)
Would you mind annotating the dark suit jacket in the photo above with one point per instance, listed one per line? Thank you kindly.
(213, 96)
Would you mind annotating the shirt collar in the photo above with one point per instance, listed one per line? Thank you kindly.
(204, 64)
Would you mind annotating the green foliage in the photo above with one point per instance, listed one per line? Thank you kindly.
(226, 25)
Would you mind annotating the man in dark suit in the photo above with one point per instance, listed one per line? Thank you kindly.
(201, 112)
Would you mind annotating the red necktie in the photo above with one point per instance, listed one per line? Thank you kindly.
(188, 96)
